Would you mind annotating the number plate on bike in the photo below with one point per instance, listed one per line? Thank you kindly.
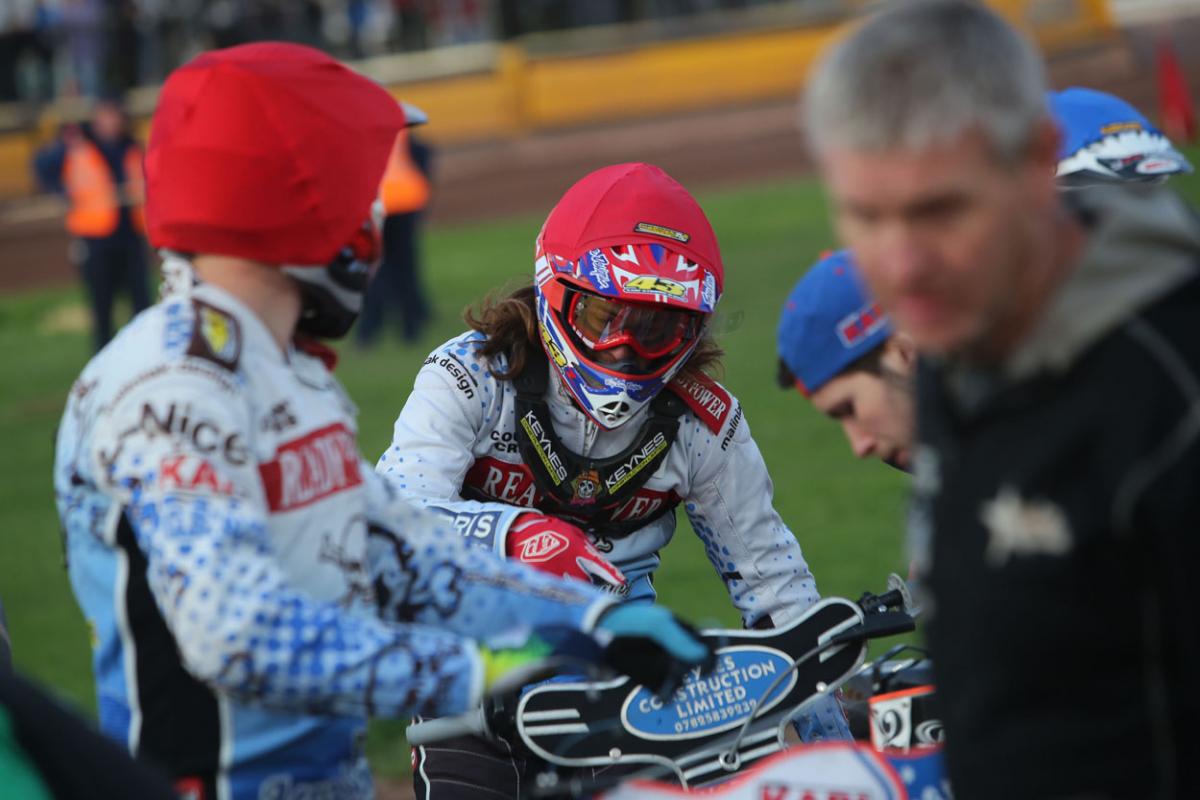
(593, 724)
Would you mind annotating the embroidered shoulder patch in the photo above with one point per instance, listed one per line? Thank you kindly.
(216, 336)
(706, 398)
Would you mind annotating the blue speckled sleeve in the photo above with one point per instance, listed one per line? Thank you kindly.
(423, 572)
(212, 570)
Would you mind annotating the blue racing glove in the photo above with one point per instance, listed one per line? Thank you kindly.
(651, 645)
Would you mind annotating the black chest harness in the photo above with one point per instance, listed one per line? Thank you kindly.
(590, 491)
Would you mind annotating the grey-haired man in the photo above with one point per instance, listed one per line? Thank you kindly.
(1057, 464)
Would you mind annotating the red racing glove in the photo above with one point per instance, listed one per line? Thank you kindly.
(552, 545)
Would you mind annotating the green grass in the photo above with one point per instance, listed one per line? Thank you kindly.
(847, 514)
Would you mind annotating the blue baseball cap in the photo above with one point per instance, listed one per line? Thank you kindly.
(1103, 136)
(828, 322)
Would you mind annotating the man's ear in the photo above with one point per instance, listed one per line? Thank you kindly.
(1044, 144)
(1042, 159)
(902, 349)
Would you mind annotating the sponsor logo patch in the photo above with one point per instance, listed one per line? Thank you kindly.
(716, 702)
(661, 230)
(1018, 526)
(279, 418)
(1154, 165)
(860, 324)
(552, 349)
(463, 379)
(311, 468)
(709, 293)
(500, 480)
(644, 503)
(1120, 127)
(543, 547)
(706, 398)
(653, 284)
(545, 450)
(177, 422)
(904, 719)
(505, 442)
(178, 328)
(599, 269)
(216, 336)
(733, 426)
(585, 487)
(636, 463)
(192, 474)
(479, 526)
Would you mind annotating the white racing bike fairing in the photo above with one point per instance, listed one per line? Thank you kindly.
(823, 771)
(834, 769)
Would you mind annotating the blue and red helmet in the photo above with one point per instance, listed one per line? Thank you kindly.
(829, 321)
(627, 273)
(1106, 138)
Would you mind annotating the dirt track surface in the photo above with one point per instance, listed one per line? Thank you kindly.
(715, 147)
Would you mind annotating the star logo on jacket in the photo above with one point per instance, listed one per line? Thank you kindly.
(1020, 527)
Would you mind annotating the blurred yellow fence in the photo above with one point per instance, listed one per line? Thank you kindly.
(515, 93)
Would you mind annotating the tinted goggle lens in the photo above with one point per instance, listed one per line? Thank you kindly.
(650, 331)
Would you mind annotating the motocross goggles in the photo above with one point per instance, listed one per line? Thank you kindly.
(651, 331)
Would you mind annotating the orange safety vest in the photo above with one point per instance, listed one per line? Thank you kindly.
(404, 187)
(95, 199)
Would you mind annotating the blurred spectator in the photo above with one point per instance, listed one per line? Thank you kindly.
(83, 26)
(405, 194)
(98, 169)
(18, 36)
(121, 32)
(411, 31)
(357, 12)
(459, 21)
(98, 47)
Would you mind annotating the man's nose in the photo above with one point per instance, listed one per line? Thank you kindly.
(904, 258)
(862, 443)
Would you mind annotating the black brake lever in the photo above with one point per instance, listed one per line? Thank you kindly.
(877, 626)
(887, 614)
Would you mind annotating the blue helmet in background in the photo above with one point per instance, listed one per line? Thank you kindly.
(1105, 138)
(829, 321)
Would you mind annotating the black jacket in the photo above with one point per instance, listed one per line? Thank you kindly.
(1056, 520)
(73, 761)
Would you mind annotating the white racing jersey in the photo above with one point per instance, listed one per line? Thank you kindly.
(253, 588)
(457, 435)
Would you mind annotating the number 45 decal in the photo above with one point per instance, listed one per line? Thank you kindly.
(651, 284)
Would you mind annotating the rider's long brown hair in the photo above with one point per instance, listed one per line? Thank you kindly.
(510, 324)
